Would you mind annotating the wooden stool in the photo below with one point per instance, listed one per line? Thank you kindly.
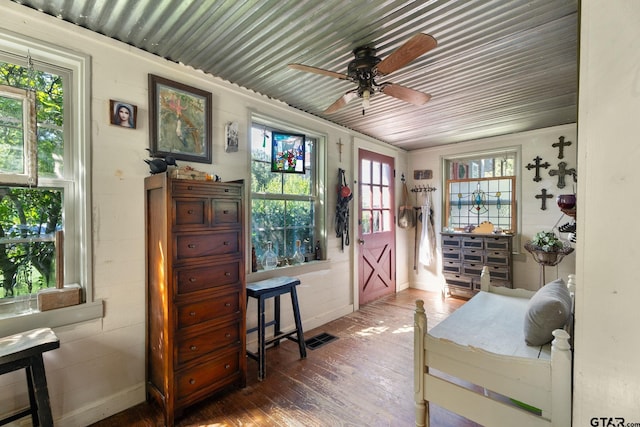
(270, 288)
(24, 350)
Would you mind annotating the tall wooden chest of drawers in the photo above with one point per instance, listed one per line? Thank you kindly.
(196, 296)
(464, 255)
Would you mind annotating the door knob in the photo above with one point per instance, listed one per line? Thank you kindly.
(360, 242)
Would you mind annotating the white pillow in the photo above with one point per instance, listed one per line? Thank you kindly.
(549, 309)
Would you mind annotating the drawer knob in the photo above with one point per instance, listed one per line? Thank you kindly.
(227, 304)
(193, 348)
(191, 245)
(225, 243)
(226, 273)
(227, 335)
(226, 212)
(193, 313)
(192, 381)
(192, 279)
(226, 190)
(190, 211)
(227, 366)
(189, 188)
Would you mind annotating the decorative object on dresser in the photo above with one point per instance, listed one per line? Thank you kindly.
(464, 255)
(196, 330)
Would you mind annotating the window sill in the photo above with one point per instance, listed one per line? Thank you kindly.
(51, 318)
(290, 270)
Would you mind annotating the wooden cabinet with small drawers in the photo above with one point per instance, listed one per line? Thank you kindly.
(196, 293)
(464, 255)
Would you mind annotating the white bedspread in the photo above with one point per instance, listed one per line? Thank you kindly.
(467, 326)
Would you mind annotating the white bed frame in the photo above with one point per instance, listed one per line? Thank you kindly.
(478, 374)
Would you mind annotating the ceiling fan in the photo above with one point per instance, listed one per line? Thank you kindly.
(366, 67)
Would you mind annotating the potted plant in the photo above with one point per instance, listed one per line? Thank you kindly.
(547, 248)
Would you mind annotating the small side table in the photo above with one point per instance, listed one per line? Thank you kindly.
(24, 350)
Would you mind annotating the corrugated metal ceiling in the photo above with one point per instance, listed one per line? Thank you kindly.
(499, 67)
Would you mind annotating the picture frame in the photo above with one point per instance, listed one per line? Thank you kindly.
(180, 120)
(287, 152)
(123, 114)
(231, 137)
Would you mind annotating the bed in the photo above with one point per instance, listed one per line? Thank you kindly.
(477, 364)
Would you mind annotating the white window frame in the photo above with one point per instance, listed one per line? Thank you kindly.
(76, 69)
(319, 182)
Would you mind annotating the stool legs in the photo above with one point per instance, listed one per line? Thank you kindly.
(261, 340)
(41, 394)
(296, 318)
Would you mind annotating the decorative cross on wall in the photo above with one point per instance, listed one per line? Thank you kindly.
(561, 144)
(339, 144)
(562, 171)
(537, 166)
(544, 196)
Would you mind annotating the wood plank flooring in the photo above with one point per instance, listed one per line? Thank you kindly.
(364, 378)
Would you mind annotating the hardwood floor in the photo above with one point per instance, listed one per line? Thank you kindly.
(364, 378)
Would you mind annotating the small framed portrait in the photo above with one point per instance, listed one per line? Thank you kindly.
(123, 114)
(231, 133)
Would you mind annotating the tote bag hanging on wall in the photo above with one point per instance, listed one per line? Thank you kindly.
(406, 213)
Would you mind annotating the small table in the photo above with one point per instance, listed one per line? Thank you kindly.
(273, 288)
(24, 350)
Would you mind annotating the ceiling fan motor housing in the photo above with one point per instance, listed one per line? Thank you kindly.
(361, 69)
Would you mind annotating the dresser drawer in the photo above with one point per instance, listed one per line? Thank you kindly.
(190, 212)
(499, 273)
(451, 254)
(472, 269)
(197, 380)
(458, 281)
(199, 245)
(205, 188)
(192, 279)
(498, 243)
(472, 242)
(225, 212)
(194, 346)
(497, 257)
(207, 310)
(451, 241)
(452, 267)
(473, 255)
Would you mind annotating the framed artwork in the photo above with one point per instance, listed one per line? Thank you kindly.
(287, 152)
(19, 145)
(123, 114)
(180, 120)
(231, 136)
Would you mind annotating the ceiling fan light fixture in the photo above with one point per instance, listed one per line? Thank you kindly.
(366, 95)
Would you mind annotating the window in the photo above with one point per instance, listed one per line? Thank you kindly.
(31, 215)
(285, 207)
(481, 188)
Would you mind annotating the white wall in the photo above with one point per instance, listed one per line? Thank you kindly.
(607, 343)
(99, 369)
(531, 217)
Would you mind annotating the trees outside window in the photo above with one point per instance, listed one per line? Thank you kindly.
(29, 217)
(283, 205)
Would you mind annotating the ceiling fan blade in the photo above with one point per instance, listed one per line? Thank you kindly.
(341, 102)
(405, 94)
(310, 69)
(413, 48)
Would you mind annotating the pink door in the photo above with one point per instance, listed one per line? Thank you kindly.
(376, 237)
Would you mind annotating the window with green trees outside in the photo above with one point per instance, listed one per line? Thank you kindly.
(284, 206)
(29, 217)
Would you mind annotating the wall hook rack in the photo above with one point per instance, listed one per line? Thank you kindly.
(423, 189)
